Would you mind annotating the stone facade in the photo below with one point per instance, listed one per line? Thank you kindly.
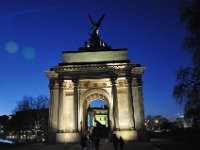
(98, 74)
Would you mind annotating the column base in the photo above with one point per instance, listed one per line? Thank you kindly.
(75, 131)
(51, 137)
(127, 135)
(60, 131)
(68, 137)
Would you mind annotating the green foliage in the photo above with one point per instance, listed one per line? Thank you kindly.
(187, 88)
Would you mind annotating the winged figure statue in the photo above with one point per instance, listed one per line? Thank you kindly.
(96, 25)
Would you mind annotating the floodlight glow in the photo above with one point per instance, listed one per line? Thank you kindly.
(11, 47)
(29, 53)
(6, 141)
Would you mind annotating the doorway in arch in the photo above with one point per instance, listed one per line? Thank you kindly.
(98, 117)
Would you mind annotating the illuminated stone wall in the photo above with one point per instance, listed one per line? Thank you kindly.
(95, 56)
(107, 75)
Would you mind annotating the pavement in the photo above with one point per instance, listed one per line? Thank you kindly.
(104, 145)
(154, 144)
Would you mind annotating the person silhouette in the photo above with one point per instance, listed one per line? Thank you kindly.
(83, 142)
(121, 143)
(115, 141)
(96, 141)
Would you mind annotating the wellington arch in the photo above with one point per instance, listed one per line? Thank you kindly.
(95, 71)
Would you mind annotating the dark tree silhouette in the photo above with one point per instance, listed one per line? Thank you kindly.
(187, 88)
(30, 103)
(156, 122)
(31, 115)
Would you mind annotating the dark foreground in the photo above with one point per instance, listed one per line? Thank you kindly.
(154, 144)
(181, 140)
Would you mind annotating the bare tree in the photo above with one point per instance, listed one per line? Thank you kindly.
(187, 88)
(32, 116)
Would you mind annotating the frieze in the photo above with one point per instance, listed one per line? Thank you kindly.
(104, 85)
(122, 83)
(95, 68)
(89, 84)
(86, 84)
(69, 85)
(62, 84)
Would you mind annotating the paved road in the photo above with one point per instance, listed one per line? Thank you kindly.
(155, 144)
(166, 144)
(103, 146)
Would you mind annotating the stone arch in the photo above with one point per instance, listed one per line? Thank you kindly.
(95, 93)
(89, 96)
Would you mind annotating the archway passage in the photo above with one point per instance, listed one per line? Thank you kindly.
(98, 118)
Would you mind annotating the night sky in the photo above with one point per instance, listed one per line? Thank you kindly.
(33, 34)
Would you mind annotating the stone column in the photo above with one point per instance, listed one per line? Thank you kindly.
(138, 103)
(53, 105)
(141, 101)
(60, 106)
(115, 104)
(75, 82)
(130, 102)
(111, 117)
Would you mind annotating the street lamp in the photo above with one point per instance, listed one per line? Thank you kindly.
(157, 123)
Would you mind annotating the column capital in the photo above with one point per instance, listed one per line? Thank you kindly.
(129, 79)
(60, 81)
(139, 81)
(113, 80)
(75, 81)
(53, 84)
(62, 84)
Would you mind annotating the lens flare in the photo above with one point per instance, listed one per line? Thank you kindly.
(11, 47)
(29, 53)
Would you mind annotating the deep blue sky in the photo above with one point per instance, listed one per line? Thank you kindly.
(33, 34)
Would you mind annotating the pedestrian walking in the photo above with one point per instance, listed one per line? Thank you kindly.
(115, 141)
(121, 143)
(96, 141)
(83, 142)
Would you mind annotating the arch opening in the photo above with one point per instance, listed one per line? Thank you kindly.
(96, 114)
(98, 117)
